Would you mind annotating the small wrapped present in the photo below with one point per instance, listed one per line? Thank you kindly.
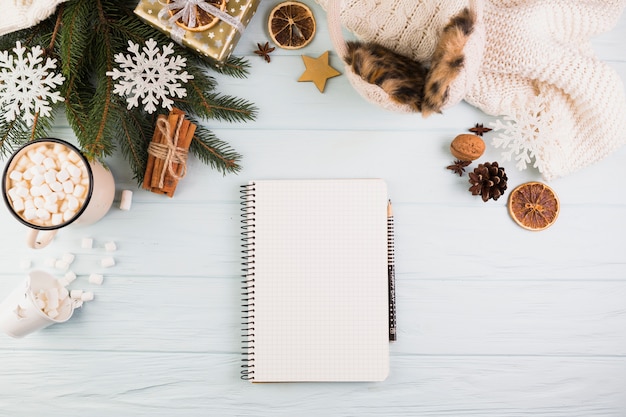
(209, 27)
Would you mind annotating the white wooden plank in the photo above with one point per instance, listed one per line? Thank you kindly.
(483, 317)
(100, 384)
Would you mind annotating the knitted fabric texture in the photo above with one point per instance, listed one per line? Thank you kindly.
(22, 14)
(538, 51)
(536, 54)
(410, 28)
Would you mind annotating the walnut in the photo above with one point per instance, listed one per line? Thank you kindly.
(467, 147)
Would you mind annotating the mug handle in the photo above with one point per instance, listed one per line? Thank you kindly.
(37, 239)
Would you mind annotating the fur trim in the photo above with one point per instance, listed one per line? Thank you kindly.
(447, 61)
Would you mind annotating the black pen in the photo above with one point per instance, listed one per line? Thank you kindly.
(391, 273)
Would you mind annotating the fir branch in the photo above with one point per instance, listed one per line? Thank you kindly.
(213, 151)
(84, 36)
(75, 36)
(238, 67)
(202, 101)
(16, 133)
(131, 132)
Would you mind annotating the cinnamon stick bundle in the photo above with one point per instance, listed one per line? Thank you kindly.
(167, 153)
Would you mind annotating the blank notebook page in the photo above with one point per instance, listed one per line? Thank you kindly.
(320, 280)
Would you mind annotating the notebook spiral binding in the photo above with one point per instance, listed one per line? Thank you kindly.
(247, 238)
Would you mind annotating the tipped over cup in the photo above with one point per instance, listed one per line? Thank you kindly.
(34, 305)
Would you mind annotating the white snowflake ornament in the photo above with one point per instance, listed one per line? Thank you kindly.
(27, 84)
(528, 133)
(150, 75)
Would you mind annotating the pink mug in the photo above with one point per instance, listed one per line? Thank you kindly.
(49, 184)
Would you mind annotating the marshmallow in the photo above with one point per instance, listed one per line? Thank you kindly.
(79, 190)
(69, 276)
(107, 262)
(57, 219)
(76, 294)
(23, 192)
(68, 187)
(49, 163)
(63, 293)
(38, 179)
(110, 246)
(18, 205)
(63, 175)
(52, 313)
(37, 158)
(87, 296)
(43, 214)
(61, 264)
(126, 200)
(68, 258)
(86, 243)
(30, 214)
(96, 279)
(15, 175)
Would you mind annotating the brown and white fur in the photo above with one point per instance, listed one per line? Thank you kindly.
(408, 81)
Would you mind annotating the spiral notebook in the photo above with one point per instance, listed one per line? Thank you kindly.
(315, 280)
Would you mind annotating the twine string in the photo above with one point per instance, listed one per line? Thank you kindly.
(169, 151)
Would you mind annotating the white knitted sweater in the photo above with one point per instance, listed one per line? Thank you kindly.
(536, 55)
(22, 14)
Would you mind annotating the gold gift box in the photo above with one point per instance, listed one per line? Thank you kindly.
(217, 42)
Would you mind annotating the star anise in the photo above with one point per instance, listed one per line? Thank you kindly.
(479, 129)
(459, 167)
(264, 51)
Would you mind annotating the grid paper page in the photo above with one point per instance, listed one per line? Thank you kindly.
(321, 304)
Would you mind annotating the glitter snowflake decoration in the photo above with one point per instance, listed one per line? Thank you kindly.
(150, 75)
(28, 84)
(526, 133)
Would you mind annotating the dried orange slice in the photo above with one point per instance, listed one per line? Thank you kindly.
(534, 206)
(291, 25)
(204, 20)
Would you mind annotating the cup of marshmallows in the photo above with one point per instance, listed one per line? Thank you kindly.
(49, 184)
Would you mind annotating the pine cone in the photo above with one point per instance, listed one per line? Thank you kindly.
(488, 180)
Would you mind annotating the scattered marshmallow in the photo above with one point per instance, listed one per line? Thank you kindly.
(87, 296)
(76, 294)
(127, 200)
(70, 276)
(107, 262)
(96, 279)
(110, 246)
(68, 258)
(86, 243)
(61, 264)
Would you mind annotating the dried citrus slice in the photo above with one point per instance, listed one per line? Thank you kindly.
(204, 20)
(534, 206)
(291, 25)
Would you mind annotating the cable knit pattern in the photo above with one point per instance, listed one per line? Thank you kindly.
(533, 49)
(543, 49)
(22, 14)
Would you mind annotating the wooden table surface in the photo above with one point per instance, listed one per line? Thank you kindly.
(493, 320)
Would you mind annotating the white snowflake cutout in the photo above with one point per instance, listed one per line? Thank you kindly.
(526, 132)
(27, 87)
(150, 75)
